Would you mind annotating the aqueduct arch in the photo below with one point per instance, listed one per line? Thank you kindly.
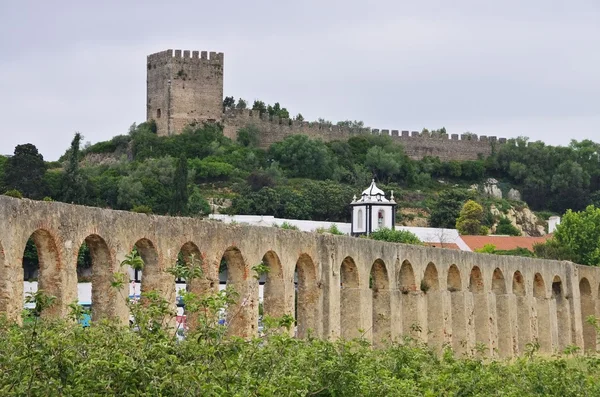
(458, 315)
(307, 293)
(435, 306)
(108, 302)
(350, 302)
(380, 286)
(274, 286)
(328, 277)
(50, 264)
(588, 308)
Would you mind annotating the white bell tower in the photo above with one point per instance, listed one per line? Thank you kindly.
(372, 211)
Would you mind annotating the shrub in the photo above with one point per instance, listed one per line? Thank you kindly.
(395, 236)
(487, 249)
(519, 251)
(506, 227)
(288, 226)
(142, 209)
(14, 193)
(551, 249)
(469, 220)
(62, 357)
(333, 229)
(248, 136)
(105, 359)
(101, 147)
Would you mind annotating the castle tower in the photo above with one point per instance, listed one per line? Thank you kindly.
(182, 88)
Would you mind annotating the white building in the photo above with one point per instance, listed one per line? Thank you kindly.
(372, 211)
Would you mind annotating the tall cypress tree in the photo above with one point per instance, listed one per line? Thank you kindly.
(180, 193)
(73, 185)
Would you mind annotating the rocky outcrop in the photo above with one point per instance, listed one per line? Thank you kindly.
(514, 194)
(218, 204)
(415, 217)
(95, 159)
(490, 188)
(523, 219)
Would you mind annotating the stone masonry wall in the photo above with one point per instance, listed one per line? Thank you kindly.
(463, 299)
(182, 88)
(416, 145)
(185, 87)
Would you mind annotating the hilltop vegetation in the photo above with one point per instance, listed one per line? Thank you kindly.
(299, 177)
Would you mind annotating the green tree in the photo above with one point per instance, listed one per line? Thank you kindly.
(454, 169)
(197, 205)
(570, 184)
(328, 200)
(25, 170)
(150, 183)
(473, 170)
(228, 103)
(179, 201)
(383, 163)
(446, 208)
(277, 111)
(241, 104)
(579, 235)
(469, 219)
(356, 125)
(260, 106)
(551, 249)
(304, 157)
(73, 184)
(248, 136)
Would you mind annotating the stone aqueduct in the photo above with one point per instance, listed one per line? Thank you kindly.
(346, 286)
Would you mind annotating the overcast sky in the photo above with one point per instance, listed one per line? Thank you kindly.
(504, 68)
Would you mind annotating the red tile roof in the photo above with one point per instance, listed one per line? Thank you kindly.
(450, 246)
(503, 242)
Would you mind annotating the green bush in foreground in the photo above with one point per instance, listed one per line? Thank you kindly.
(61, 358)
(57, 358)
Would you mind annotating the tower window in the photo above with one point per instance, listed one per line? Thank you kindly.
(380, 219)
(158, 113)
(360, 219)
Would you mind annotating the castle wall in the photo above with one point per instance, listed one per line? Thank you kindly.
(184, 87)
(416, 145)
(477, 303)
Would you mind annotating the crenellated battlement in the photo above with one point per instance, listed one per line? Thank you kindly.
(417, 144)
(183, 87)
(186, 87)
(170, 55)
